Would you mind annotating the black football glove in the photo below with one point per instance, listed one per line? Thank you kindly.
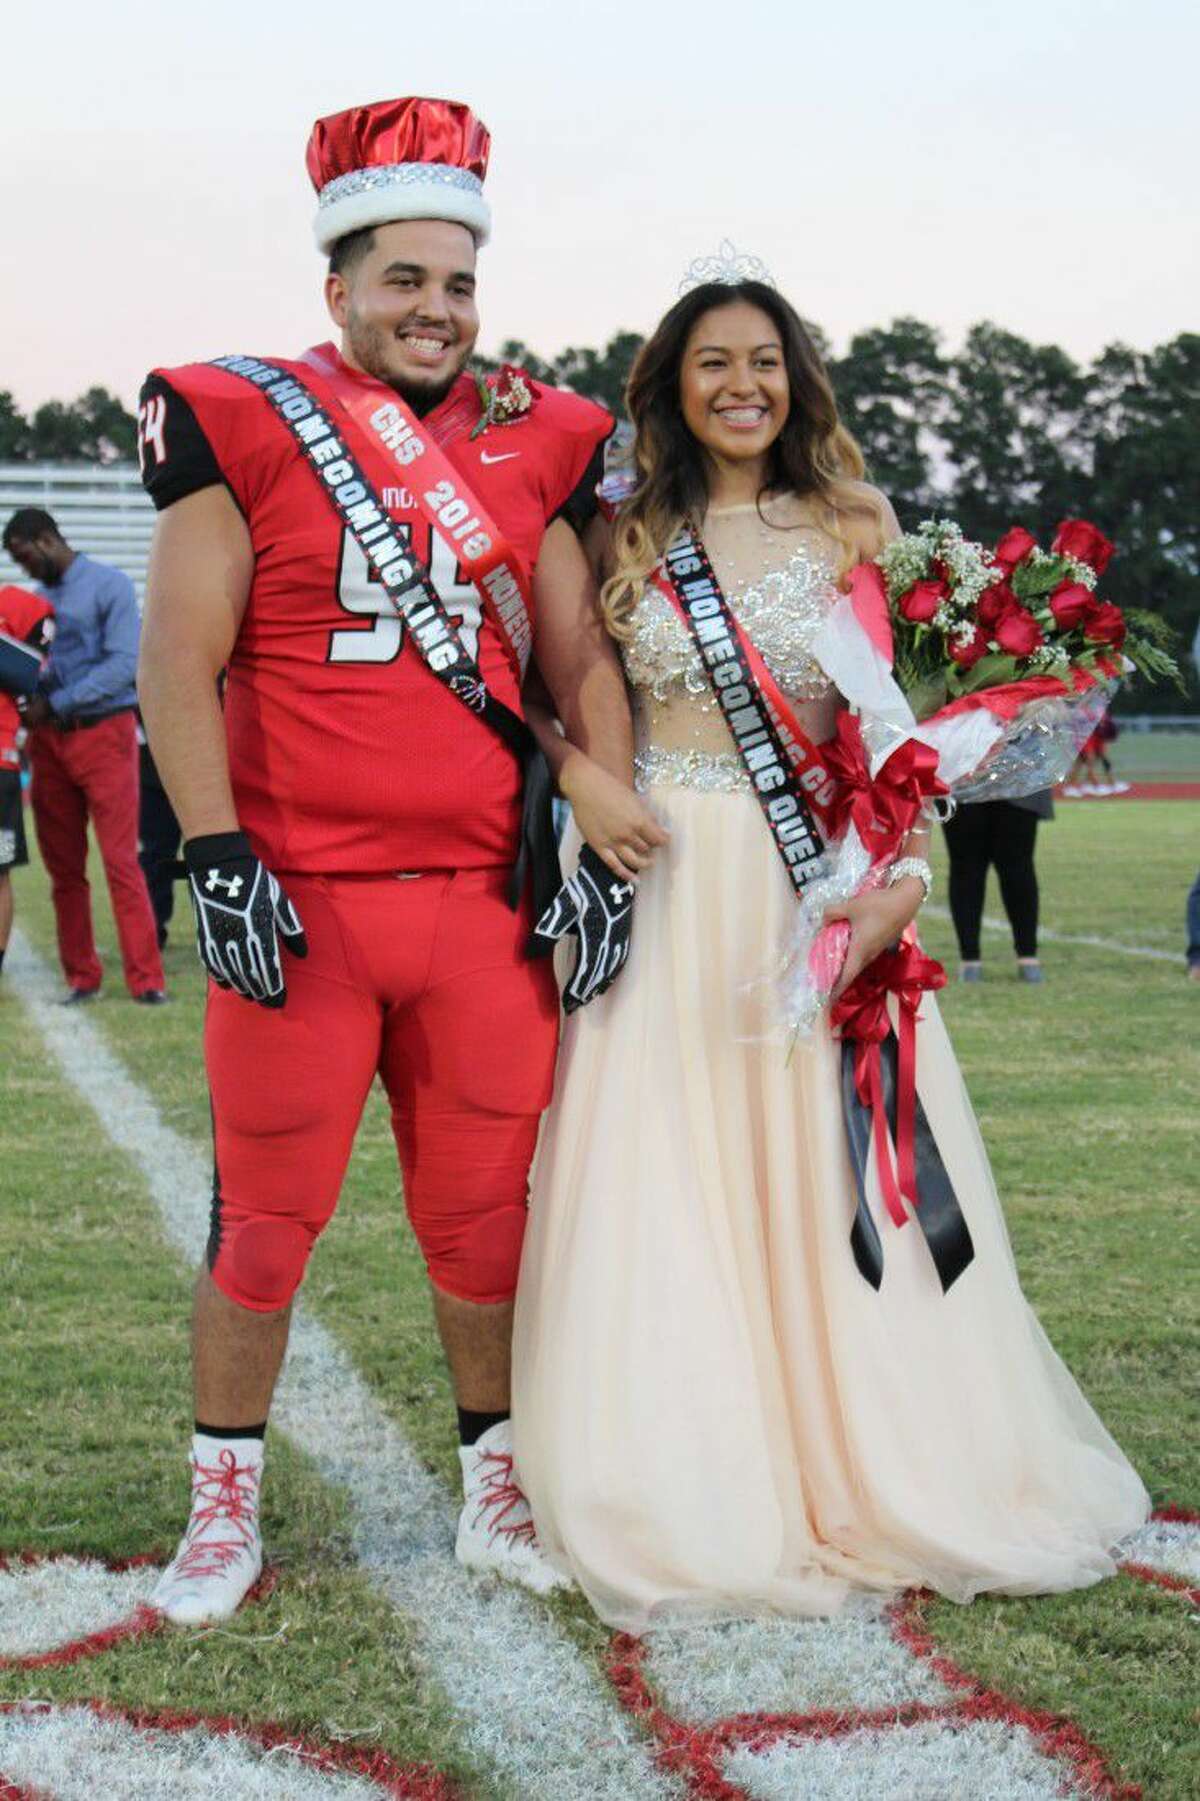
(598, 907)
(241, 915)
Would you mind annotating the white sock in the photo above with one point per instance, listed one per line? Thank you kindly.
(207, 1450)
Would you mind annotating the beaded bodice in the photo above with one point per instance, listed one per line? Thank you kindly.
(780, 584)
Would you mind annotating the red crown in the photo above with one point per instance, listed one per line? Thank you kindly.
(399, 159)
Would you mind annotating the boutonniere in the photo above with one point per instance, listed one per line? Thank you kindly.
(505, 397)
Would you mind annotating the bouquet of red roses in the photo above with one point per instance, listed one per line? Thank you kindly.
(972, 673)
(1017, 634)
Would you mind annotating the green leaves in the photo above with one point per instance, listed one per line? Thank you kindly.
(1038, 576)
(987, 673)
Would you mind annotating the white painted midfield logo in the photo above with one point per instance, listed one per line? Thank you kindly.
(507, 457)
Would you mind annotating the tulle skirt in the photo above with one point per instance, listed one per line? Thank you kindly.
(715, 1415)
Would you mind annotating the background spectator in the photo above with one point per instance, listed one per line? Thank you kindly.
(997, 834)
(83, 753)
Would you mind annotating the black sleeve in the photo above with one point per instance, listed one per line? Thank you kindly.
(580, 504)
(176, 457)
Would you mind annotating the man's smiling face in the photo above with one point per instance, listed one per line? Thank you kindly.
(406, 307)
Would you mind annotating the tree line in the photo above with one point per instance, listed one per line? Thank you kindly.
(1000, 432)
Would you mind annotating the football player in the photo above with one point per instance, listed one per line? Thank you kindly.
(368, 540)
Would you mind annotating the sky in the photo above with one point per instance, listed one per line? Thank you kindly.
(1032, 162)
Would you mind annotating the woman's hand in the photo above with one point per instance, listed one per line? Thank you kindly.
(614, 819)
(876, 920)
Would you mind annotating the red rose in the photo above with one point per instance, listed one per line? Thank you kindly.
(967, 655)
(1018, 633)
(1077, 538)
(1071, 603)
(922, 601)
(995, 602)
(1013, 547)
(1105, 625)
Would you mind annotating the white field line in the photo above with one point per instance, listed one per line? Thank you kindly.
(1086, 939)
(528, 1704)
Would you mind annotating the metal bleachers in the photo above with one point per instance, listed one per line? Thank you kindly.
(102, 510)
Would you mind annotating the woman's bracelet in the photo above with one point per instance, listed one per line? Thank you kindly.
(912, 866)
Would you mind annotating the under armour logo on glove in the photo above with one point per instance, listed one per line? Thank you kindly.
(599, 911)
(214, 880)
(242, 914)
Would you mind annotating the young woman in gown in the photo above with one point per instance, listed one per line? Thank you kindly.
(714, 1413)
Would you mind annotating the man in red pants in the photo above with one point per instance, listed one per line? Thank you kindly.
(84, 756)
(372, 544)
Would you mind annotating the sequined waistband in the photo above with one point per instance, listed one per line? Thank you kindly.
(712, 772)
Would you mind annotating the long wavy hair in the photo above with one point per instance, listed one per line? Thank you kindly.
(813, 456)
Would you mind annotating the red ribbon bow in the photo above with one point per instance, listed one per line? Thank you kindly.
(861, 1015)
(883, 811)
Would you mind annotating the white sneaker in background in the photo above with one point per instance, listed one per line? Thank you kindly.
(1120, 787)
(495, 1528)
(220, 1555)
(1070, 791)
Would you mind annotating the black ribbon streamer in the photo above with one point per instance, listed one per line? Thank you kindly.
(938, 1214)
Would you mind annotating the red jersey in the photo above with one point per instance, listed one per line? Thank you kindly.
(22, 615)
(346, 753)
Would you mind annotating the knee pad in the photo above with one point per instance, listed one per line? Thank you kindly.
(260, 1263)
(477, 1258)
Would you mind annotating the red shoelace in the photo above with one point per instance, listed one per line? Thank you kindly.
(217, 1494)
(500, 1496)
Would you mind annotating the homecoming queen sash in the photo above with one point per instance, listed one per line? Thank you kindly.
(790, 783)
(374, 440)
(796, 793)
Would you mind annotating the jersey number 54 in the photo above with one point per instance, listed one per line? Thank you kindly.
(362, 594)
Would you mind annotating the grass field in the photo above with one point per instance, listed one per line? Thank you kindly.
(1086, 1090)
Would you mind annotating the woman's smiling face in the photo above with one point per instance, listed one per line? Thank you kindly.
(733, 384)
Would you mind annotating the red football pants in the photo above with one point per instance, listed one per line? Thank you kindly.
(93, 773)
(423, 981)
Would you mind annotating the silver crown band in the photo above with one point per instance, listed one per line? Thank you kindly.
(392, 192)
(389, 175)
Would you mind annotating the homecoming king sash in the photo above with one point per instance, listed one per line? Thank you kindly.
(442, 497)
(375, 437)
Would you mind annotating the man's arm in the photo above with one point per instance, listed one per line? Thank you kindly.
(114, 670)
(593, 760)
(201, 565)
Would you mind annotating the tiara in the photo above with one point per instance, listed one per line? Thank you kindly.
(727, 266)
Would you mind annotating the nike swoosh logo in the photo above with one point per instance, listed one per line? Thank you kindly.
(506, 458)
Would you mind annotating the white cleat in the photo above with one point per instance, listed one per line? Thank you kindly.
(495, 1528)
(220, 1555)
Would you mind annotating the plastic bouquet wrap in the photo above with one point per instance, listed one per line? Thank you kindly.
(972, 674)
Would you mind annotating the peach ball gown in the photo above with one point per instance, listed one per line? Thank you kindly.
(714, 1414)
